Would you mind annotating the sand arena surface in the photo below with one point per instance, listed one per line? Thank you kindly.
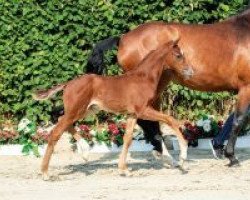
(99, 179)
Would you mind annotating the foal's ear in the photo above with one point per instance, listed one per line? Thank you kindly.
(175, 42)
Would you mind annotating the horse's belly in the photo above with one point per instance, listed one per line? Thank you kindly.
(204, 83)
(112, 106)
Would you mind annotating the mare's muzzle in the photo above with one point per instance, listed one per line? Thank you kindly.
(187, 72)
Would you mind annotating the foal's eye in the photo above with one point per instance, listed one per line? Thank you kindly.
(179, 56)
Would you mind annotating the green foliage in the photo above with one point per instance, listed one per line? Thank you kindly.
(43, 43)
(103, 136)
(184, 103)
(27, 130)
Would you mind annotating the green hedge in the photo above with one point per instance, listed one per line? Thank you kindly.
(43, 43)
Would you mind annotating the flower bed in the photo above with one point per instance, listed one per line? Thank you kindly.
(201, 132)
(205, 127)
(204, 144)
(25, 134)
(104, 134)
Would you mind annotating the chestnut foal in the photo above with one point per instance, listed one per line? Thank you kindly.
(132, 93)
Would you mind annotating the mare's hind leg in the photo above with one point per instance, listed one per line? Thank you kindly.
(241, 119)
(151, 114)
(61, 126)
(127, 140)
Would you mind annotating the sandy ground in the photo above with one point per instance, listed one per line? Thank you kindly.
(99, 179)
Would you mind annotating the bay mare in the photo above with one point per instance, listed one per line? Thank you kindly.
(132, 93)
(219, 54)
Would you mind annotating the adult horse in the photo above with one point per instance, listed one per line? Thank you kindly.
(219, 54)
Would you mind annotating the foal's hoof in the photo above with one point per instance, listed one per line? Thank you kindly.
(172, 162)
(181, 167)
(83, 148)
(234, 163)
(45, 177)
(183, 170)
(125, 172)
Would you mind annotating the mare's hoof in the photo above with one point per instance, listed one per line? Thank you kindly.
(234, 163)
(157, 155)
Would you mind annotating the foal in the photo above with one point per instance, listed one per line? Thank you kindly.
(132, 93)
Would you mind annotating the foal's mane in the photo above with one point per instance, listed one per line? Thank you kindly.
(153, 59)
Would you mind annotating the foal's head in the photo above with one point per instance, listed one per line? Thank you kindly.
(174, 60)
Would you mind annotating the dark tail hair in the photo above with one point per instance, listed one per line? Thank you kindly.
(46, 94)
(56, 113)
(96, 60)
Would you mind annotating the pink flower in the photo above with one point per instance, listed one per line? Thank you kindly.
(115, 132)
(113, 129)
(43, 134)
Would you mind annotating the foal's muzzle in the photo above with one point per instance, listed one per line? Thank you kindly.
(187, 72)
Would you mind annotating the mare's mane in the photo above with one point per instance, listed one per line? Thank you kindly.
(241, 23)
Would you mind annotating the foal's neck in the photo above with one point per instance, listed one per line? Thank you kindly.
(150, 68)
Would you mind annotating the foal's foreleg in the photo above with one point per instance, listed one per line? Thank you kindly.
(151, 129)
(151, 114)
(241, 119)
(127, 140)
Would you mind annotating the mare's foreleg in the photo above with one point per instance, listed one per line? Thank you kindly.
(241, 118)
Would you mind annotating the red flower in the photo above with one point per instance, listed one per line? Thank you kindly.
(186, 124)
(220, 123)
(84, 127)
(123, 126)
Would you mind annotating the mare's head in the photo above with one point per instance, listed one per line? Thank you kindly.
(175, 60)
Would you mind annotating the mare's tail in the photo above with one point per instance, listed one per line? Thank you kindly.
(46, 94)
(96, 60)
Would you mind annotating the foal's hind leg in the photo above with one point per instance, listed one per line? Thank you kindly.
(151, 114)
(127, 140)
(82, 144)
(61, 126)
(241, 120)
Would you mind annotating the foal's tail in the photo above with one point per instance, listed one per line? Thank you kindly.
(96, 60)
(46, 94)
